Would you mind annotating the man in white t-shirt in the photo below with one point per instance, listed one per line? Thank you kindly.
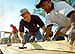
(59, 13)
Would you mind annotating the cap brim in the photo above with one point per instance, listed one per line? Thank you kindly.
(38, 6)
(24, 13)
(50, 25)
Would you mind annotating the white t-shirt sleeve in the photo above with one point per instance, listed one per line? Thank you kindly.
(50, 18)
(57, 18)
(63, 8)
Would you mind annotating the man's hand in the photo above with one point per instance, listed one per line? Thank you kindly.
(22, 37)
(24, 41)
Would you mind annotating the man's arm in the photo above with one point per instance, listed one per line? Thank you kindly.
(21, 29)
(44, 29)
(22, 36)
(69, 11)
(40, 23)
(72, 16)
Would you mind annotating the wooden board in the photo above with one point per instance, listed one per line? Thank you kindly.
(61, 46)
(53, 45)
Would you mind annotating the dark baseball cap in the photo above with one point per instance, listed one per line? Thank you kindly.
(38, 5)
(50, 25)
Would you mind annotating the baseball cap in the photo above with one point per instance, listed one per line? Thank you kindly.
(11, 25)
(40, 2)
(24, 11)
(49, 25)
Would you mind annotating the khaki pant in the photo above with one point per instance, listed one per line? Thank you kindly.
(14, 38)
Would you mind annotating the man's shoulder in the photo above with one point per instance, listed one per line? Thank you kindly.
(60, 2)
(21, 21)
(57, 4)
(34, 15)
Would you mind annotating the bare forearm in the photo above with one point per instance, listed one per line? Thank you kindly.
(44, 29)
(72, 17)
(22, 34)
(23, 41)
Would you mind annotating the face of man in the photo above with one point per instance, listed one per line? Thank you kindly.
(73, 17)
(46, 5)
(26, 17)
(49, 28)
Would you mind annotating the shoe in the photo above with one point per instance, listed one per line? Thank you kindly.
(22, 47)
(8, 44)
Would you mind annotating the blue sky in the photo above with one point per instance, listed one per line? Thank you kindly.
(10, 12)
